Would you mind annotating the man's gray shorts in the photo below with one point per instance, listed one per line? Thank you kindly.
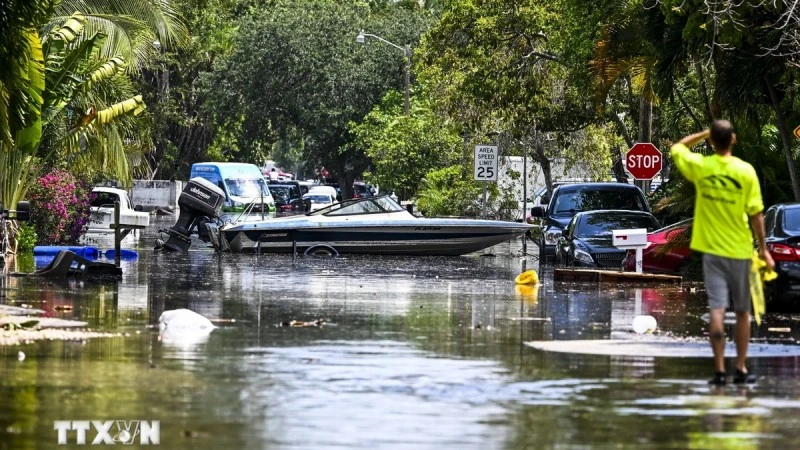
(727, 280)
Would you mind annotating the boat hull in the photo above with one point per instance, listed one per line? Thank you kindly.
(429, 239)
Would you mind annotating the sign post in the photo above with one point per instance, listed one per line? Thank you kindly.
(485, 168)
(644, 161)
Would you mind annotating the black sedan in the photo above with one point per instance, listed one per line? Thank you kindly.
(288, 199)
(782, 228)
(586, 241)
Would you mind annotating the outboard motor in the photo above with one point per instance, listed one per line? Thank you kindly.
(200, 202)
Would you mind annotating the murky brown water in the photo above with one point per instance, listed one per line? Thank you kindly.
(416, 353)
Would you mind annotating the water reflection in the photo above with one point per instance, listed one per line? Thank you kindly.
(415, 353)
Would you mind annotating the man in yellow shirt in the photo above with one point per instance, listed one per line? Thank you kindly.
(727, 204)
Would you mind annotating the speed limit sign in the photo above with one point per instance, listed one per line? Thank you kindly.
(485, 163)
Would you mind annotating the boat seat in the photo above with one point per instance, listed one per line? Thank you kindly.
(91, 268)
(59, 267)
(62, 267)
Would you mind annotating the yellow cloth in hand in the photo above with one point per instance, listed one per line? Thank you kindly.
(759, 273)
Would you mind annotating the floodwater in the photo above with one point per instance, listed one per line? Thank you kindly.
(414, 353)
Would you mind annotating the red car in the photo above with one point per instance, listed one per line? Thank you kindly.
(667, 250)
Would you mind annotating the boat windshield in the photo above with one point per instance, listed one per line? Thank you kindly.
(249, 188)
(370, 205)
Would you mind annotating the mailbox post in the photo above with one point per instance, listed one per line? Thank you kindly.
(632, 239)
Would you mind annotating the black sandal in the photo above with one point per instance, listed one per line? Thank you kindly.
(719, 379)
(744, 377)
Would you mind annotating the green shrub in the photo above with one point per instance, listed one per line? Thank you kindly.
(26, 238)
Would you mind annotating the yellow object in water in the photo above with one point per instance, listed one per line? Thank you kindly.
(527, 277)
(528, 292)
(759, 273)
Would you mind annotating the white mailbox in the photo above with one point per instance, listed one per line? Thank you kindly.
(633, 239)
(629, 239)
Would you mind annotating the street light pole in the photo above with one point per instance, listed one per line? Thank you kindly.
(406, 53)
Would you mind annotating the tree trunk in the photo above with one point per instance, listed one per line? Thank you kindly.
(645, 134)
(704, 91)
(617, 166)
(787, 146)
(544, 162)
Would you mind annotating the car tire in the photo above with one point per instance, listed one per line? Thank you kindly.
(542, 254)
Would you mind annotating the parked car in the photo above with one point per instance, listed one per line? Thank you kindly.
(287, 198)
(319, 200)
(101, 210)
(362, 190)
(324, 189)
(586, 242)
(782, 229)
(667, 250)
(570, 199)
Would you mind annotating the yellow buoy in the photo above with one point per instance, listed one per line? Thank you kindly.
(528, 292)
(527, 277)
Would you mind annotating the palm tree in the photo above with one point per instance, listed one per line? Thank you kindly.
(66, 96)
(21, 83)
(135, 29)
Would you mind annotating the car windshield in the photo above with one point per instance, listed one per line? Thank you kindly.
(361, 189)
(791, 221)
(318, 198)
(281, 192)
(104, 199)
(567, 203)
(601, 225)
(241, 187)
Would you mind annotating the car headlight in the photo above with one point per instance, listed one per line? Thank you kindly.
(551, 236)
(238, 204)
(582, 256)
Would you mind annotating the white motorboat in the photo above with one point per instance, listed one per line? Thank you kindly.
(372, 225)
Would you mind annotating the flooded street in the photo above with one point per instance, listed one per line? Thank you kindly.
(411, 353)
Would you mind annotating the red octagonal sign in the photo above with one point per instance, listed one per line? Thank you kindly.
(643, 161)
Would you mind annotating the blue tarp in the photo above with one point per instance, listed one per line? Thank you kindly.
(43, 254)
(87, 252)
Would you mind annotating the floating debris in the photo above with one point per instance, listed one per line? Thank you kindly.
(25, 310)
(37, 323)
(184, 319)
(20, 336)
(780, 329)
(300, 323)
(644, 324)
(527, 277)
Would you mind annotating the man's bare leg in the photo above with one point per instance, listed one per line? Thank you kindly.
(742, 339)
(716, 334)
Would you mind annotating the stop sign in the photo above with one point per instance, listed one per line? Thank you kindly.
(643, 161)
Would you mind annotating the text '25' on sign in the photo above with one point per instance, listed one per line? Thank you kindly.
(643, 161)
(485, 163)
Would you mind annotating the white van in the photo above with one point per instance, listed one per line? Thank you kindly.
(242, 183)
(329, 190)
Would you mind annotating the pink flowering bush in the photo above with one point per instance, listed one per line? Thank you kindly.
(59, 207)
